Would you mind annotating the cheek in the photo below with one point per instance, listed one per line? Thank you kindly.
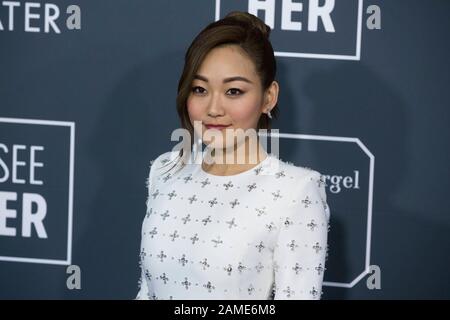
(194, 109)
(246, 112)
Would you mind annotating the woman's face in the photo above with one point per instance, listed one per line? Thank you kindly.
(226, 91)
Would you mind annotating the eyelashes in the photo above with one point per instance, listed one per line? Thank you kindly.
(235, 91)
(195, 88)
(240, 92)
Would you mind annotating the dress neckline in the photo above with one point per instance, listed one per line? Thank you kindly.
(241, 174)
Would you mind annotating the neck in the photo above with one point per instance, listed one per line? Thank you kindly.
(234, 160)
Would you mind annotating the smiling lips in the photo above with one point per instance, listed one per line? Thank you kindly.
(217, 127)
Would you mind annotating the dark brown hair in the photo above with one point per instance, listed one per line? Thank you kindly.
(239, 28)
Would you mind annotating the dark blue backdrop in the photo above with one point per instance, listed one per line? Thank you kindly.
(372, 105)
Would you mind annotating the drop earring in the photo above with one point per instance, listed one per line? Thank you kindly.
(269, 114)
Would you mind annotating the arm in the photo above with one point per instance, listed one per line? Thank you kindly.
(143, 290)
(142, 285)
(301, 247)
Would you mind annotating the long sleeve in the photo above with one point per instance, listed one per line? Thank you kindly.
(143, 292)
(300, 251)
(143, 283)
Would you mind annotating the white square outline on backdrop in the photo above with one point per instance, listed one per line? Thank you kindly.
(356, 57)
(371, 157)
(71, 126)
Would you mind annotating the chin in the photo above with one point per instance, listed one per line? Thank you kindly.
(217, 145)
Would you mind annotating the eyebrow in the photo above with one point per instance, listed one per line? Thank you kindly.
(230, 79)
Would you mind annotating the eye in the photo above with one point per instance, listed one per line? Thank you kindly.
(236, 91)
(198, 89)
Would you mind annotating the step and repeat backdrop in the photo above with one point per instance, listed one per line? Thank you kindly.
(87, 100)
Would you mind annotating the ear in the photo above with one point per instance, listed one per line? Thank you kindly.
(271, 96)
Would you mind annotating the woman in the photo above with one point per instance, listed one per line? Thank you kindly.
(221, 230)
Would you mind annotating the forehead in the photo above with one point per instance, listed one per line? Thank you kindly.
(227, 61)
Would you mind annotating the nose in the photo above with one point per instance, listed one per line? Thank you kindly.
(215, 108)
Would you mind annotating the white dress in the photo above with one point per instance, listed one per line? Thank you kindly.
(259, 234)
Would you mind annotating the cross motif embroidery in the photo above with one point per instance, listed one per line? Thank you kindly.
(217, 242)
(251, 186)
(206, 220)
(234, 203)
(288, 222)
(319, 269)
(289, 292)
(205, 182)
(155, 194)
(212, 202)
(228, 185)
(204, 263)
(312, 225)
(192, 199)
(165, 215)
(258, 170)
(321, 181)
(167, 177)
(174, 235)
(261, 211)
(314, 292)
(188, 178)
(231, 223)
(276, 195)
(186, 219)
(260, 246)
(280, 174)
(183, 260)
(241, 267)
(259, 267)
(194, 238)
(297, 268)
(172, 194)
(292, 245)
(186, 283)
(209, 286)
(142, 254)
(162, 256)
(164, 278)
(270, 226)
(228, 269)
(148, 275)
(153, 232)
(250, 289)
(317, 247)
(306, 201)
